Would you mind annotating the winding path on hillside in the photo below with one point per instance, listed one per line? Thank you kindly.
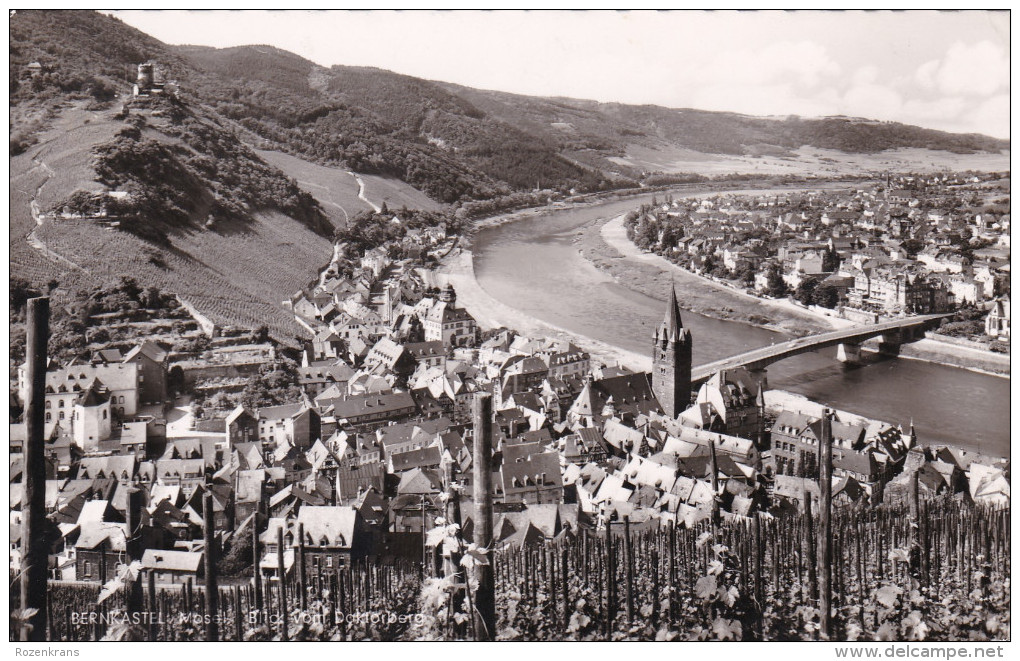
(361, 193)
(32, 238)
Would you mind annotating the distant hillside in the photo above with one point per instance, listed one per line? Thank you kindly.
(379, 122)
(596, 132)
(451, 142)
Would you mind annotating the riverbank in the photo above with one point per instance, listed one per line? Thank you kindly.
(457, 268)
(954, 355)
(681, 190)
(606, 245)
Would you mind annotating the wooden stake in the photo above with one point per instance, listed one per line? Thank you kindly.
(812, 560)
(715, 483)
(212, 626)
(34, 549)
(628, 563)
(152, 606)
(133, 547)
(302, 587)
(281, 583)
(257, 578)
(825, 527)
(672, 572)
(238, 628)
(485, 595)
(565, 595)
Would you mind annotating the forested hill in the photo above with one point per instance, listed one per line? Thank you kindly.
(370, 121)
(610, 128)
(451, 142)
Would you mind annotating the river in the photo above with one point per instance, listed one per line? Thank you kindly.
(534, 266)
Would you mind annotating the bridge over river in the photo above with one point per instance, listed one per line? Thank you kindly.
(848, 340)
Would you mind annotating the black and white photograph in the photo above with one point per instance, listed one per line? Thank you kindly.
(510, 325)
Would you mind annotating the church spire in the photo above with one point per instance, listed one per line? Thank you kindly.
(672, 324)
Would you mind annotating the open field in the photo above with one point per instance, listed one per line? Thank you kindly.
(334, 188)
(396, 194)
(809, 161)
(337, 190)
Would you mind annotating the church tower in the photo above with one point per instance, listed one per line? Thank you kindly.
(671, 361)
(448, 295)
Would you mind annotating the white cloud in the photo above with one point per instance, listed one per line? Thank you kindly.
(805, 63)
(931, 113)
(865, 75)
(991, 115)
(872, 101)
(925, 75)
(980, 69)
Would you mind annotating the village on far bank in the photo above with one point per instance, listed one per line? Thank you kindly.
(357, 435)
(909, 244)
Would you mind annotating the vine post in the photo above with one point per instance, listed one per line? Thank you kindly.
(133, 547)
(300, 551)
(715, 484)
(212, 626)
(280, 584)
(809, 542)
(257, 573)
(35, 554)
(825, 527)
(628, 563)
(485, 594)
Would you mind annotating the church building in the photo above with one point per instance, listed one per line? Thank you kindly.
(671, 361)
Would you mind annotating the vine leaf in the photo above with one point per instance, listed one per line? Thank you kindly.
(887, 595)
(706, 587)
(727, 629)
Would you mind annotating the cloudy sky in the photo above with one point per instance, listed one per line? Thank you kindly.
(943, 70)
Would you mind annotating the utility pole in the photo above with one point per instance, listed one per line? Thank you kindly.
(485, 596)
(34, 551)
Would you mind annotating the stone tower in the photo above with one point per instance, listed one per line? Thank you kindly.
(671, 361)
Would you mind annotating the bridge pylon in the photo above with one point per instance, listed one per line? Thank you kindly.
(890, 343)
(849, 353)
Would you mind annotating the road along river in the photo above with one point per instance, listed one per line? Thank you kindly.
(533, 266)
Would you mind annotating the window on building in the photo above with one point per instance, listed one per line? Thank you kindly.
(329, 561)
(61, 415)
(49, 404)
(104, 414)
(87, 568)
(49, 417)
